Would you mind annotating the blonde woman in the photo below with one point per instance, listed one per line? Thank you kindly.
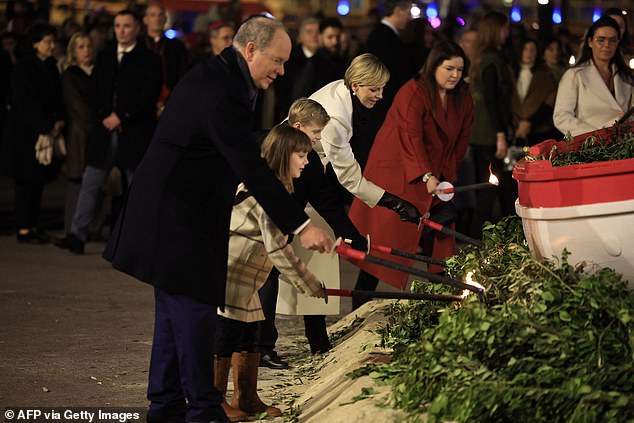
(346, 140)
(77, 90)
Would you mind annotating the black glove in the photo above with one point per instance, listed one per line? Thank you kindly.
(358, 242)
(403, 208)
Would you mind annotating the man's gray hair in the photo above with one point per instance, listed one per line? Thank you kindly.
(308, 21)
(259, 30)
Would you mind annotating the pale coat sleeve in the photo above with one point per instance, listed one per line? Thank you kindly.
(335, 148)
(567, 105)
(283, 257)
(335, 141)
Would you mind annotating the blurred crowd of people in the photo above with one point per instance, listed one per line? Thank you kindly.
(378, 121)
(53, 101)
(514, 75)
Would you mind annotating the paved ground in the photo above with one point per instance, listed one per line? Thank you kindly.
(74, 332)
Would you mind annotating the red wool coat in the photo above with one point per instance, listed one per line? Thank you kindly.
(413, 140)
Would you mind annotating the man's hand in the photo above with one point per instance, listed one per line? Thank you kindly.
(315, 238)
(112, 122)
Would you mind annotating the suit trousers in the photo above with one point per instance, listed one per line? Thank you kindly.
(181, 365)
(91, 181)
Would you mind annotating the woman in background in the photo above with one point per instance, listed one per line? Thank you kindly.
(77, 89)
(491, 83)
(598, 90)
(552, 56)
(534, 97)
(33, 125)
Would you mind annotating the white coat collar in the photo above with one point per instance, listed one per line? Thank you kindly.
(591, 77)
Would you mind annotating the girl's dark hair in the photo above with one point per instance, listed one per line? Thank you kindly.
(277, 147)
(615, 11)
(586, 52)
(443, 50)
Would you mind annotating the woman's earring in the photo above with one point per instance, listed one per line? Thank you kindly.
(354, 93)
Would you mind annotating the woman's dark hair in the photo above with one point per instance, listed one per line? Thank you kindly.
(586, 52)
(517, 63)
(547, 44)
(36, 32)
(615, 11)
(443, 50)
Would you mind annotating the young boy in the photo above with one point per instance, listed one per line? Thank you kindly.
(313, 186)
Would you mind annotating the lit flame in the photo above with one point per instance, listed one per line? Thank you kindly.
(469, 281)
(493, 180)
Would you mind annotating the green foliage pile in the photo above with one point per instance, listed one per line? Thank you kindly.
(553, 343)
(618, 145)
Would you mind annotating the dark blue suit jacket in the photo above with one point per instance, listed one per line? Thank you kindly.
(173, 232)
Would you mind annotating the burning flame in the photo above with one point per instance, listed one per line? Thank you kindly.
(493, 180)
(469, 281)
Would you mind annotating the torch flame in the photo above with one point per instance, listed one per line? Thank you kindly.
(469, 281)
(493, 180)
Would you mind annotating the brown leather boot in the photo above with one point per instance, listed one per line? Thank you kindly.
(245, 385)
(221, 377)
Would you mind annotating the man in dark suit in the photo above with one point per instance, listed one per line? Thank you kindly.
(326, 65)
(127, 78)
(300, 54)
(174, 230)
(385, 43)
(173, 54)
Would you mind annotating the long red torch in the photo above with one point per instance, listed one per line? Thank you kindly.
(346, 251)
(393, 295)
(401, 253)
(447, 231)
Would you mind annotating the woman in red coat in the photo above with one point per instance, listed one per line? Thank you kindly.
(422, 142)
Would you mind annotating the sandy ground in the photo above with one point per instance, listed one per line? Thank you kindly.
(76, 333)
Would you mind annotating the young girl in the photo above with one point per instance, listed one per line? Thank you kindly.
(256, 244)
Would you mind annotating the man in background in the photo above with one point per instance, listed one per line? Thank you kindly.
(173, 54)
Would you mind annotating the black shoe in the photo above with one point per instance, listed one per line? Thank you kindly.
(40, 234)
(31, 237)
(322, 349)
(272, 361)
(70, 242)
